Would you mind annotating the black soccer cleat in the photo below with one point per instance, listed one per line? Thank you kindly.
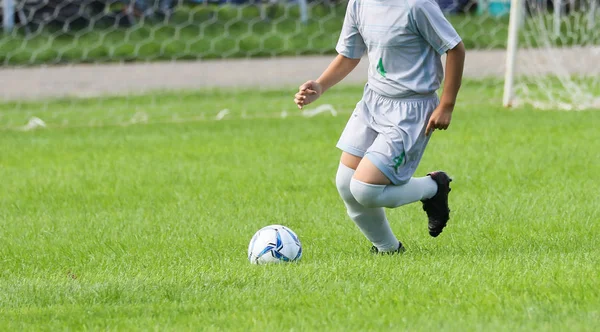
(401, 249)
(436, 207)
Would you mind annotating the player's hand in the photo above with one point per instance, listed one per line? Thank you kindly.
(440, 119)
(307, 93)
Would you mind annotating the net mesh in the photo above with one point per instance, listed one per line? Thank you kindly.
(558, 56)
(60, 51)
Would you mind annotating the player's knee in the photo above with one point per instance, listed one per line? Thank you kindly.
(364, 193)
(342, 182)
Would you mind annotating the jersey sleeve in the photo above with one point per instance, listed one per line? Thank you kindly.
(351, 44)
(433, 26)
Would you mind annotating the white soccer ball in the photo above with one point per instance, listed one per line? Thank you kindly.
(274, 244)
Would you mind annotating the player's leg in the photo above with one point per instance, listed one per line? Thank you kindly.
(372, 222)
(384, 177)
(372, 188)
(431, 190)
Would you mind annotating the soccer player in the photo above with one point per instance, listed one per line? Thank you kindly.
(387, 133)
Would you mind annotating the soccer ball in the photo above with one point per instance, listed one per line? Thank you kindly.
(274, 244)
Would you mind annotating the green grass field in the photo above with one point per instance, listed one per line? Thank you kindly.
(106, 226)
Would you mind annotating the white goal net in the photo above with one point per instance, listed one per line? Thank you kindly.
(557, 57)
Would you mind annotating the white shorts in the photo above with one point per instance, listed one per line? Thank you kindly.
(389, 132)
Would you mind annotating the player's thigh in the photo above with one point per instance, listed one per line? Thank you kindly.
(368, 172)
(398, 148)
(357, 137)
(350, 160)
(387, 160)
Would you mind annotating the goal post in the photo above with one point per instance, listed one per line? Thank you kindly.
(552, 55)
(516, 11)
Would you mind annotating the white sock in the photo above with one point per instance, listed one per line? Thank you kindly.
(371, 221)
(391, 196)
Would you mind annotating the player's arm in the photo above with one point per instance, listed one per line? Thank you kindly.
(350, 48)
(337, 70)
(431, 24)
(442, 115)
(455, 61)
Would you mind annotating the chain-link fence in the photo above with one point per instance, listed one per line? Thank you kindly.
(556, 68)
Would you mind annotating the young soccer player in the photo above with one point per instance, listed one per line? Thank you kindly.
(386, 135)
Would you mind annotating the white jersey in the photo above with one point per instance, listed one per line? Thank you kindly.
(404, 41)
